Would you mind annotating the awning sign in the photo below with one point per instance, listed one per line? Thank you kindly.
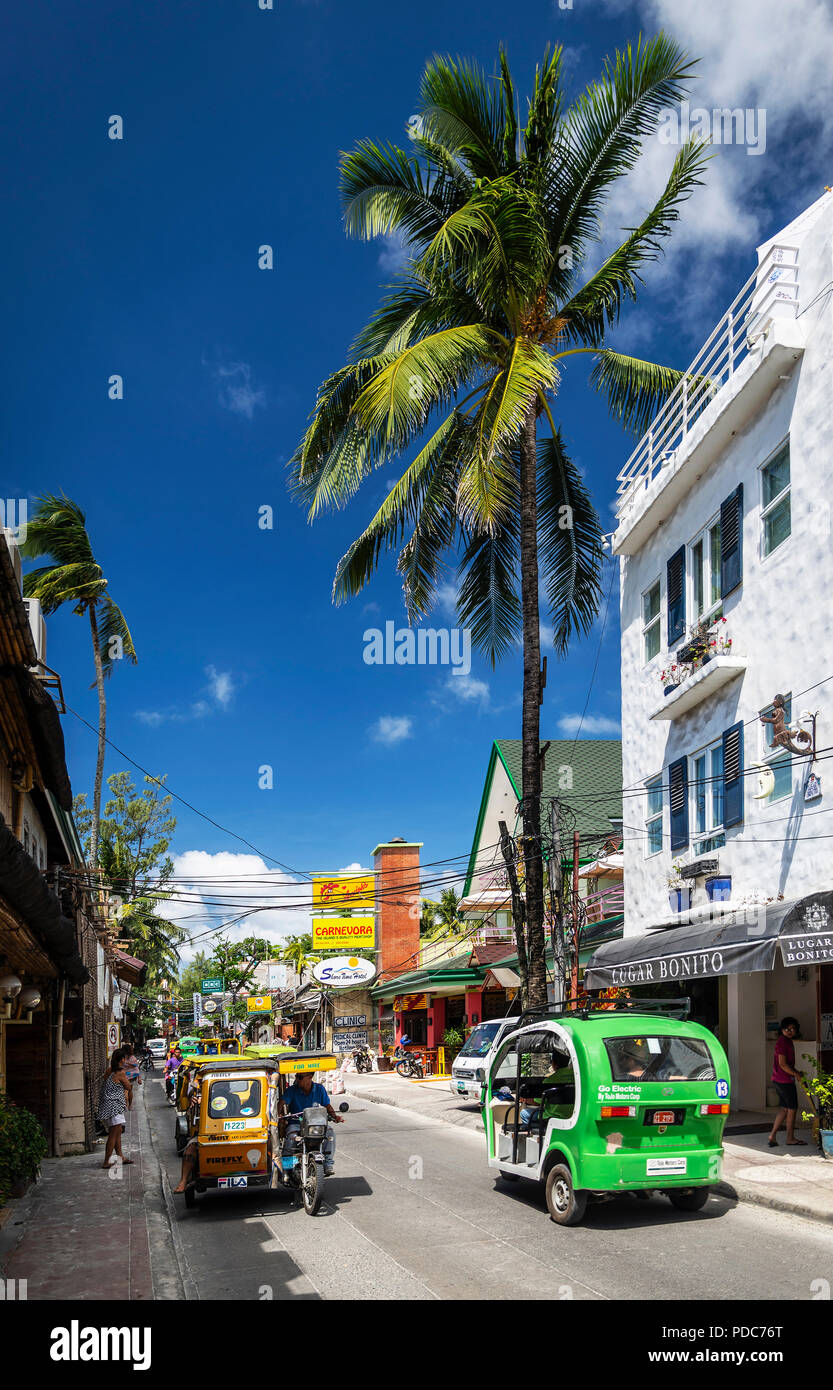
(343, 933)
(354, 891)
(807, 934)
(404, 1003)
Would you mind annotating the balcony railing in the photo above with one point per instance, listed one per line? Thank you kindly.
(770, 293)
(609, 903)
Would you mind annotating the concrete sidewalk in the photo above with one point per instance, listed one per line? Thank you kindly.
(83, 1232)
(796, 1180)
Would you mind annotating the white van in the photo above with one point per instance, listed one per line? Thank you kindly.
(158, 1048)
(471, 1065)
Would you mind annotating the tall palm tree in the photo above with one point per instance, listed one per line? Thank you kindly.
(298, 952)
(58, 529)
(466, 352)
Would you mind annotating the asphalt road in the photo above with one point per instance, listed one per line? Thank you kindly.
(413, 1212)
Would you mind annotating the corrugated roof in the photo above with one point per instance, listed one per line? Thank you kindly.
(596, 766)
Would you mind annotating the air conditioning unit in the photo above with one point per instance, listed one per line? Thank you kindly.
(8, 534)
(37, 626)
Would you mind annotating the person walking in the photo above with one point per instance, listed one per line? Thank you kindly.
(115, 1100)
(784, 1078)
(131, 1066)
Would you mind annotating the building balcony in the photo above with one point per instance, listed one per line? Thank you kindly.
(702, 683)
(757, 341)
(610, 902)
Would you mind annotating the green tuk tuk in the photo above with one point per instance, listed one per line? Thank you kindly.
(592, 1103)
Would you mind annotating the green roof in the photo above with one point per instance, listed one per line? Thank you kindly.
(595, 796)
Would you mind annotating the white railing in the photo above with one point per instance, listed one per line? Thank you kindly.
(771, 292)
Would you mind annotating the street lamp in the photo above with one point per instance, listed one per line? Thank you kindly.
(10, 987)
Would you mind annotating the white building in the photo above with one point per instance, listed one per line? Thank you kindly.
(725, 521)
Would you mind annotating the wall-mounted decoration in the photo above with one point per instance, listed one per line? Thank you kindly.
(766, 781)
(791, 737)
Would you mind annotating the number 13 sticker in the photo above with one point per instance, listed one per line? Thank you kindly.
(722, 1089)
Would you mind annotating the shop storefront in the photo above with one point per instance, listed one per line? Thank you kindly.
(746, 969)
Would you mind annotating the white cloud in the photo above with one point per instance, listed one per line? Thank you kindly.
(594, 724)
(221, 685)
(390, 729)
(468, 688)
(220, 689)
(394, 255)
(446, 599)
(235, 389)
(221, 886)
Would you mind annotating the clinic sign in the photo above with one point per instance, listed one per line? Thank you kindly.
(342, 972)
(349, 1041)
(339, 893)
(343, 933)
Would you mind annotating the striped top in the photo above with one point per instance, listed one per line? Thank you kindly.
(112, 1100)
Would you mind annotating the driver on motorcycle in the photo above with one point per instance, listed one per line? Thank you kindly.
(303, 1093)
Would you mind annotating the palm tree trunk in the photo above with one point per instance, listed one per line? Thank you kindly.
(531, 806)
(102, 738)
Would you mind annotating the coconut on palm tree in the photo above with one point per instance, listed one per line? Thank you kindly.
(465, 357)
(58, 530)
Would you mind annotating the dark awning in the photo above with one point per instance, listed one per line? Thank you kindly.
(24, 888)
(728, 944)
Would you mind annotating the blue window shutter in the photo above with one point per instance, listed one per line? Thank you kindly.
(675, 594)
(678, 797)
(731, 542)
(733, 775)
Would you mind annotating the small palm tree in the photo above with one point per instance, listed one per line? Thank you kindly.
(448, 920)
(58, 529)
(465, 356)
(298, 952)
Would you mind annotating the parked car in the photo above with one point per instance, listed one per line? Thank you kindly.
(470, 1067)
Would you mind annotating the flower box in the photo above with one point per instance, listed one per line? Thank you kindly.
(719, 889)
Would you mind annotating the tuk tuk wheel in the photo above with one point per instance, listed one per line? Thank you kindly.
(190, 1196)
(565, 1205)
(688, 1198)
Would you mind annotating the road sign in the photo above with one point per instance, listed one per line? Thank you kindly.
(113, 1036)
(259, 1004)
(343, 933)
(214, 985)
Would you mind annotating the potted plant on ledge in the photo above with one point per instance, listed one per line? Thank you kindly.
(679, 892)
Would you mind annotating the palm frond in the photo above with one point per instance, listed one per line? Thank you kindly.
(545, 108)
(384, 190)
(58, 528)
(113, 635)
(635, 389)
(52, 585)
(488, 601)
(570, 550)
(461, 111)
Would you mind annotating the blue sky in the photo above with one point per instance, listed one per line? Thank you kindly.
(139, 257)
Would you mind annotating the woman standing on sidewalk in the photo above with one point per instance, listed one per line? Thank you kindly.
(115, 1100)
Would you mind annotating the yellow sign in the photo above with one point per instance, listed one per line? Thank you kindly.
(259, 1004)
(405, 1002)
(354, 891)
(343, 933)
(288, 1065)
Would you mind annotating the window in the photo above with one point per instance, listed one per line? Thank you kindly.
(779, 760)
(704, 567)
(651, 638)
(775, 498)
(659, 1059)
(706, 783)
(653, 816)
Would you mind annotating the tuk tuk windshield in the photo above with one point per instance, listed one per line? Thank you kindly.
(480, 1039)
(656, 1058)
(228, 1100)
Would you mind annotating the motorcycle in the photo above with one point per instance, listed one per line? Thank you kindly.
(303, 1155)
(362, 1059)
(408, 1064)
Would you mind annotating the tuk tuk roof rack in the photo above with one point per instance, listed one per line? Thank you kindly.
(668, 1008)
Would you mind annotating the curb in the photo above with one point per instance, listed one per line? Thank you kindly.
(447, 1119)
(736, 1192)
(749, 1192)
(163, 1233)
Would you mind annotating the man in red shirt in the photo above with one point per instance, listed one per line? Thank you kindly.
(784, 1077)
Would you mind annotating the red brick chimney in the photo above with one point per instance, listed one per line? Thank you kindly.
(397, 906)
